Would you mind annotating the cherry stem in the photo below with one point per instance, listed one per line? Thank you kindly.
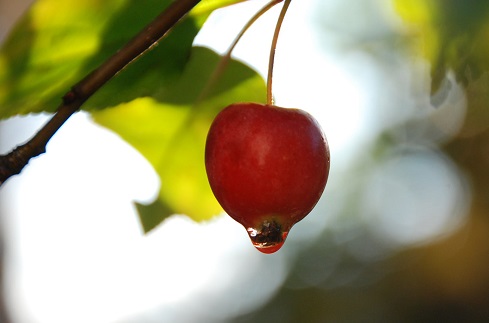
(253, 19)
(272, 51)
(221, 67)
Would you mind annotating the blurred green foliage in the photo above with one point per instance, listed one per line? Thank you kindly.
(451, 34)
(351, 274)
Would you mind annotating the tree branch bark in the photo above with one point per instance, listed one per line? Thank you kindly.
(13, 162)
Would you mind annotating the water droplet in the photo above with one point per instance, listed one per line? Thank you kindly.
(269, 238)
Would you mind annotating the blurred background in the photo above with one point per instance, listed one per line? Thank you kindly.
(401, 233)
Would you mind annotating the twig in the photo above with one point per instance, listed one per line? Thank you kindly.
(13, 162)
(221, 66)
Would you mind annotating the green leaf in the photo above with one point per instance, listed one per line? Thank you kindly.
(207, 6)
(170, 132)
(58, 42)
(162, 104)
(153, 214)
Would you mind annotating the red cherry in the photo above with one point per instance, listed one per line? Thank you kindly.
(267, 167)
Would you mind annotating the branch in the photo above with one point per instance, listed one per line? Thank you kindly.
(13, 162)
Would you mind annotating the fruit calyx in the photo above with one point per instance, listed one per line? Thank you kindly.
(269, 237)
